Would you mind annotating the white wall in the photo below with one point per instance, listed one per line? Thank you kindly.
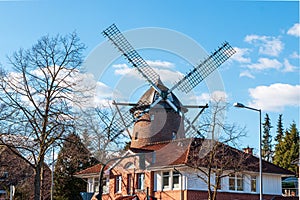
(272, 184)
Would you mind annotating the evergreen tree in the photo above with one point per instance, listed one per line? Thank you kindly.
(267, 140)
(287, 151)
(279, 129)
(72, 158)
(291, 153)
(279, 148)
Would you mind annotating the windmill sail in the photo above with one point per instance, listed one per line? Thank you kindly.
(191, 80)
(205, 68)
(118, 39)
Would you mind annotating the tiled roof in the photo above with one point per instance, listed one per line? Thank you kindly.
(91, 170)
(195, 151)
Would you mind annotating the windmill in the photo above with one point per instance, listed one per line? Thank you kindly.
(161, 94)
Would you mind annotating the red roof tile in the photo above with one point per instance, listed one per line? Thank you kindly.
(196, 150)
(91, 170)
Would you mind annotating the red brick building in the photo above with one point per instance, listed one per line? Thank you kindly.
(163, 164)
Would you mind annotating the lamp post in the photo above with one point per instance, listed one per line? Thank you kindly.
(240, 105)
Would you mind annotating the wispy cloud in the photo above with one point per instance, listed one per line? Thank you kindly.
(241, 55)
(288, 67)
(247, 73)
(294, 30)
(295, 55)
(264, 64)
(275, 97)
(159, 63)
(267, 45)
(163, 68)
(204, 98)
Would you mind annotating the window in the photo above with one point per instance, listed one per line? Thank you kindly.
(239, 182)
(232, 182)
(176, 176)
(90, 185)
(96, 184)
(140, 181)
(129, 184)
(105, 184)
(129, 165)
(253, 183)
(118, 184)
(165, 181)
(174, 135)
(93, 185)
(236, 182)
(152, 117)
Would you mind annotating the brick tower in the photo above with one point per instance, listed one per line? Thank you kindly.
(161, 123)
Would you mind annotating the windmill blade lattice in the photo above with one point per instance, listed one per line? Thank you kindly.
(118, 39)
(121, 123)
(205, 68)
(191, 80)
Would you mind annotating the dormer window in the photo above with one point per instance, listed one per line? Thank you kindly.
(174, 135)
(152, 117)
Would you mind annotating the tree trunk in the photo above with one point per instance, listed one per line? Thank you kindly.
(37, 183)
(99, 196)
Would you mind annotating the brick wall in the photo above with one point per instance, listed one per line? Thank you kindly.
(160, 129)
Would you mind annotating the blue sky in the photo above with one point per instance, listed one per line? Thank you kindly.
(263, 74)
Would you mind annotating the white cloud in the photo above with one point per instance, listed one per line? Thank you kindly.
(265, 63)
(294, 30)
(275, 97)
(159, 63)
(163, 68)
(206, 97)
(267, 45)
(122, 69)
(240, 55)
(246, 74)
(295, 55)
(288, 67)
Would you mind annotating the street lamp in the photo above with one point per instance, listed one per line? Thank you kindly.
(240, 105)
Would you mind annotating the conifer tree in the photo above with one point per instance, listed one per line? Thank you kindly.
(287, 151)
(279, 148)
(267, 140)
(72, 158)
(291, 153)
(279, 129)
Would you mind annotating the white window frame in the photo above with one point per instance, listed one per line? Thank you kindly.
(118, 182)
(140, 177)
(178, 175)
(253, 180)
(164, 186)
(106, 186)
(237, 178)
(170, 176)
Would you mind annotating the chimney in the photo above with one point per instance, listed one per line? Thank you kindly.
(248, 150)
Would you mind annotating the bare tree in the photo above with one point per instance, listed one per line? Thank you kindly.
(101, 138)
(214, 157)
(39, 96)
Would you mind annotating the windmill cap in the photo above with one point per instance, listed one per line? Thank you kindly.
(151, 95)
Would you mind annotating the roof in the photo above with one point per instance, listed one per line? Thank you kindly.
(195, 152)
(91, 170)
(151, 95)
(125, 197)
